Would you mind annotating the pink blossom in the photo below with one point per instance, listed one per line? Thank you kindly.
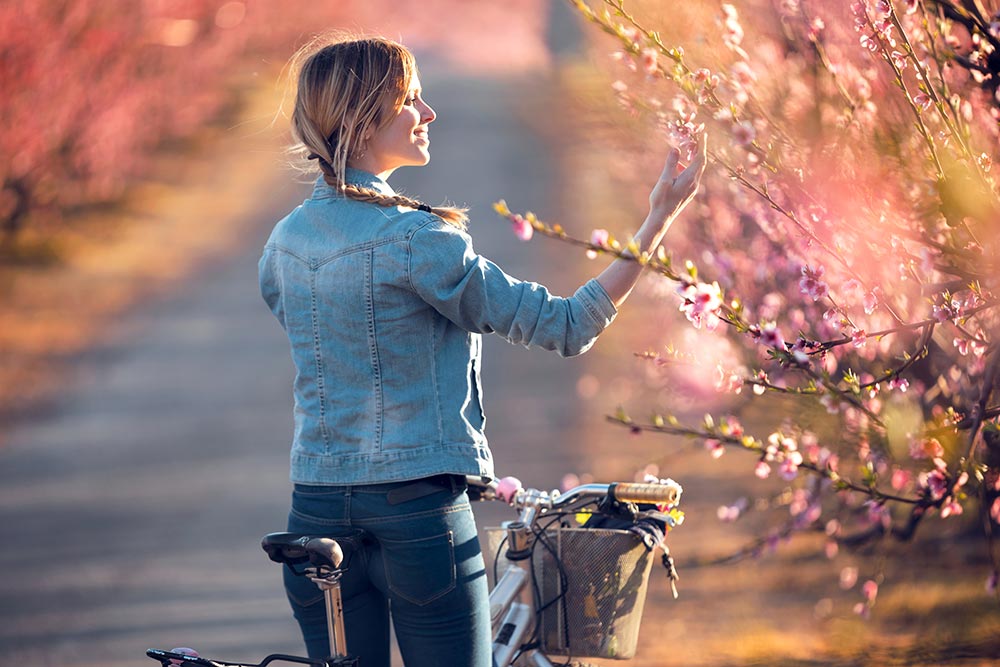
(848, 577)
(780, 446)
(790, 461)
(744, 133)
(704, 76)
(762, 470)
(872, 389)
(878, 514)
(632, 34)
(522, 228)
(599, 238)
(869, 590)
(943, 313)
(743, 73)
(962, 480)
(569, 481)
(962, 344)
(901, 384)
(859, 338)
(831, 549)
(734, 426)
(862, 610)
(811, 283)
(995, 510)
(922, 100)
(926, 448)
(732, 33)
(870, 301)
(800, 502)
(728, 381)
(727, 513)
(813, 514)
(648, 60)
(732, 512)
(701, 304)
(715, 447)
(984, 159)
(901, 479)
(951, 508)
(966, 345)
(816, 28)
(771, 336)
(934, 482)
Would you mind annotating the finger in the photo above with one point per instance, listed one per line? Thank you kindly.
(670, 168)
(697, 155)
(702, 152)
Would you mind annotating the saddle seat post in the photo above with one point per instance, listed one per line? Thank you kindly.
(328, 581)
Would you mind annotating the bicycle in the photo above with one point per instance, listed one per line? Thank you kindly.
(586, 554)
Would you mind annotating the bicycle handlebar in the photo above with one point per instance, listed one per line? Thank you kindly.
(510, 490)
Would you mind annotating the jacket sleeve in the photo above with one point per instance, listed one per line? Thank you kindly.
(478, 296)
(268, 285)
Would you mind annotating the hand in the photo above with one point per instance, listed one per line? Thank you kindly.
(673, 191)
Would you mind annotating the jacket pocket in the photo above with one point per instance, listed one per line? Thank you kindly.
(421, 570)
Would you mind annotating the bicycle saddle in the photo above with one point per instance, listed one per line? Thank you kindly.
(295, 548)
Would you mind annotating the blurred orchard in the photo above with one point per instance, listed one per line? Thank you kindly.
(91, 88)
(839, 268)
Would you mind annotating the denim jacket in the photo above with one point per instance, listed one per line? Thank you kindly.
(384, 308)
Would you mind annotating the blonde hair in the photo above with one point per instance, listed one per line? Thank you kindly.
(348, 89)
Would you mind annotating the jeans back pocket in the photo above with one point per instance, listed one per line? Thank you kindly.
(420, 570)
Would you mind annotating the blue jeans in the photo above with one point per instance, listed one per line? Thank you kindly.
(418, 559)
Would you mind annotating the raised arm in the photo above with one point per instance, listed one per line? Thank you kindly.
(670, 195)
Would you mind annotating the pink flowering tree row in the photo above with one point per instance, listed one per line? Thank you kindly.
(90, 90)
(843, 251)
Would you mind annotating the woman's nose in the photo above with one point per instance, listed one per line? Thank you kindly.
(426, 113)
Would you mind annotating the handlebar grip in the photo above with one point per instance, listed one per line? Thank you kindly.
(634, 492)
(507, 489)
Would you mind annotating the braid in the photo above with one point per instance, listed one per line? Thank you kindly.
(450, 214)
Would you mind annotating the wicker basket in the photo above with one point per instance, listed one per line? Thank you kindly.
(605, 589)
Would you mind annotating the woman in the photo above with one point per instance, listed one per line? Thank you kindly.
(384, 300)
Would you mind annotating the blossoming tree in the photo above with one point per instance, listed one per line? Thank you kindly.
(848, 251)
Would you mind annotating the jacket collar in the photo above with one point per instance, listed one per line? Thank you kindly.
(355, 177)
